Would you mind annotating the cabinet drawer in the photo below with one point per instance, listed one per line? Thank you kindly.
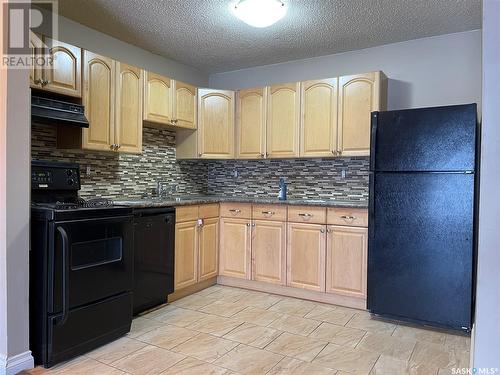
(268, 212)
(209, 210)
(307, 214)
(186, 213)
(354, 217)
(240, 210)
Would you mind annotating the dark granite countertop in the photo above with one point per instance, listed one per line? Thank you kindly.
(189, 200)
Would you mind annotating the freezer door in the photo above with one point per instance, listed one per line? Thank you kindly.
(420, 247)
(425, 139)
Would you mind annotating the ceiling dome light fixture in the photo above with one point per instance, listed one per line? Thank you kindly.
(259, 13)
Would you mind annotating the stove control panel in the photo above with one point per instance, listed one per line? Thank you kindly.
(54, 176)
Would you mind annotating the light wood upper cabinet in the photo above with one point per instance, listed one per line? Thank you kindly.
(318, 125)
(186, 254)
(359, 95)
(346, 261)
(184, 111)
(251, 123)
(215, 124)
(128, 108)
(306, 251)
(269, 251)
(35, 71)
(283, 118)
(209, 249)
(64, 75)
(235, 247)
(99, 101)
(158, 99)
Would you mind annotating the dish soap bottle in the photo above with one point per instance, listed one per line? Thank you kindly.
(282, 192)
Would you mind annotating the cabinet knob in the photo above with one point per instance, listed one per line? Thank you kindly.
(38, 82)
(322, 231)
(112, 147)
(248, 224)
(253, 224)
(262, 155)
(199, 155)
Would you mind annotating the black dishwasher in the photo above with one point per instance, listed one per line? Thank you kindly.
(154, 241)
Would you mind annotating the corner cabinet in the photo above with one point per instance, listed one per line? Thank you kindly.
(318, 123)
(359, 95)
(112, 96)
(64, 76)
(215, 124)
(251, 123)
(283, 117)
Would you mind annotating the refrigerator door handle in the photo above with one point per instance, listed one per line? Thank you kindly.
(371, 206)
(373, 139)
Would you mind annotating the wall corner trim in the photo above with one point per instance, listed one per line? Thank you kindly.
(17, 363)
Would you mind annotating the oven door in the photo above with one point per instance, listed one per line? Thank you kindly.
(90, 260)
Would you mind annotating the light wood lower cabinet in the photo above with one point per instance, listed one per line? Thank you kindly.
(306, 252)
(269, 251)
(346, 261)
(235, 247)
(196, 245)
(209, 249)
(186, 254)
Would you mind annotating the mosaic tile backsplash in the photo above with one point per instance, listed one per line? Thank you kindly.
(126, 175)
(306, 178)
(118, 175)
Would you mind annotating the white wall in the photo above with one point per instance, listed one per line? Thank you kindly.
(14, 219)
(424, 72)
(92, 40)
(487, 329)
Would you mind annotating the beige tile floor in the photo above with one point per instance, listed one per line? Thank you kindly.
(223, 330)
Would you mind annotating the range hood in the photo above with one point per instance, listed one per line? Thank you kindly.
(52, 111)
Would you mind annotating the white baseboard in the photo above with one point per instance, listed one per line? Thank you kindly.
(17, 363)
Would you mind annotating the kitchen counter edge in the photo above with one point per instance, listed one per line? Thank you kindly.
(187, 201)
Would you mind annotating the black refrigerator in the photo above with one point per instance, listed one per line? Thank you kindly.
(422, 210)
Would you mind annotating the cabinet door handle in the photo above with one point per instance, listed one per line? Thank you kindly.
(235, 210)
(268, 213)
(348, 217)
(306, 215)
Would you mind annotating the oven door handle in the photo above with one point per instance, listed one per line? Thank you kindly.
(65, 276)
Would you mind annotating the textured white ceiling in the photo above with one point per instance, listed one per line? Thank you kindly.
(204, 34)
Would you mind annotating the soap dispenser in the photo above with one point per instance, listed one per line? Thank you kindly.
(282, 192)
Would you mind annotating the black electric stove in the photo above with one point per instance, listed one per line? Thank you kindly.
(81, 266)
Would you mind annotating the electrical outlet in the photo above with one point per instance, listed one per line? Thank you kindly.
(343, 173)
(87, 170)
(235, 173)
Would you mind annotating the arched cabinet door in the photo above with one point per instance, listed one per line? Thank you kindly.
(215, 124)
(98, 98)
(359, 95)
(283, 117)
(184, 115)
(158, 98)
(251, 123)
(128, 119)
(318, 123)
(64, 77)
